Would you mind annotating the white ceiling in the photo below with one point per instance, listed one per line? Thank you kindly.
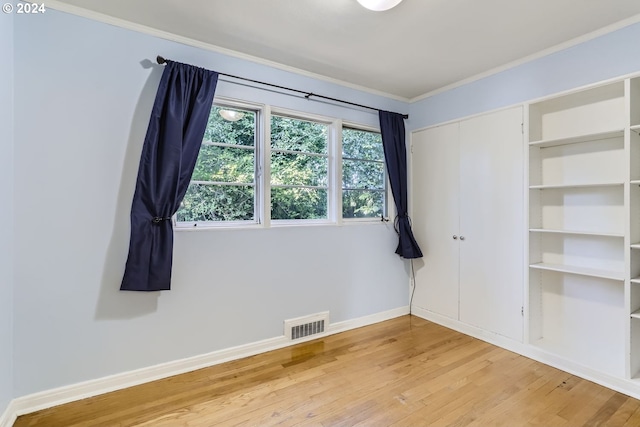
(416, 48)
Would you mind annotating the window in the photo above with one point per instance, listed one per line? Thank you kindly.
(300, 180)
(299, 169)
(363, 174)
(223, 186)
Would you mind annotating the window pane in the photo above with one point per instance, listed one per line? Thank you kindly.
(224, 164)
(240, 132)
(362, 203)
(298, 203)
(298, 135)
(210, 202)
(360, 144)
(217, 203)
(363, 179)
(298, 169)
(362, 175)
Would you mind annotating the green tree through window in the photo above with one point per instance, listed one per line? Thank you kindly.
(363, 174)
(299, 169)
(223, 185)
(226, 183)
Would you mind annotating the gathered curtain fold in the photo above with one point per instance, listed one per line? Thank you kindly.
(395, 154)
(169, 154)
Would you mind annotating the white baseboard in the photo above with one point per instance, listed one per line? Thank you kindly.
(367, 320)
(58, 396)
(491, 338)
(9, 416)
(629, 387)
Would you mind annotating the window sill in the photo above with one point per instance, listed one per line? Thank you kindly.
(218, 226)
(360, 221)
(236, 226)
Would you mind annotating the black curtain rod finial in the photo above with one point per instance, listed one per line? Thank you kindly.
(161, 60)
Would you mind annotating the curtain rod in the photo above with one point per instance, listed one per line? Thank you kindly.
(307, 95)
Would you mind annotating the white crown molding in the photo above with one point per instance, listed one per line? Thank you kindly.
(58, 396)
(557, 48)
(122, 23)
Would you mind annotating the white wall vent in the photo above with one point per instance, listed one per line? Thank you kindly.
(305, 326)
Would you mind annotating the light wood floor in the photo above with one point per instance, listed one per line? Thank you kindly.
(403, 372)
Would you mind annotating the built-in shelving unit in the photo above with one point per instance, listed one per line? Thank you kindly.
(633, 230)
(578, 234)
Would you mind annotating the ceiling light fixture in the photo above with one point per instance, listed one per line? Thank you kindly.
(230, 115)
(379, 5)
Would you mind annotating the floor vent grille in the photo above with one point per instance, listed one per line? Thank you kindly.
(301, 327)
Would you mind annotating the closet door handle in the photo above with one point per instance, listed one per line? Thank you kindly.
(461, 237)
(455, 237)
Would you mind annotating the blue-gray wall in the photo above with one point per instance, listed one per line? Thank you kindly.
(83, 100)
(83, 93)
(6, 213)
(609, 56)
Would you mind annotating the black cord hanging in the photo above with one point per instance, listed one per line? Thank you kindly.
(308, 95)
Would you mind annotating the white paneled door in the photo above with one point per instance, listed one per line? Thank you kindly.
(436, 216)
(468, 216)
(491, 222)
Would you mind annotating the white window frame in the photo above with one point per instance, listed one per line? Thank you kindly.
(388, 198)
(333, 130)
(258, 182)
(262, 171)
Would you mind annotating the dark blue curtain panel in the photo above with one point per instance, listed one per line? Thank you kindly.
(395, 154)
(171, 146)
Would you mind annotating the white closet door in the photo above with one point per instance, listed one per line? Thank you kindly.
(435, 203)
(491, 222)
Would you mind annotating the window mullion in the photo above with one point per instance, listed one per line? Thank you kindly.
(265, 176)
(335, 174)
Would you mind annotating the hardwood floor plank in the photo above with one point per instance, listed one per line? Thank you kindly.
(606, 411)
(624, 413)
(634, 419)
(402, 372)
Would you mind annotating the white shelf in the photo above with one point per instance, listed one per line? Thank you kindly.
(635, 246)
(580, 233)
(635, 128)
(635, 182)
(561, 186)
(576, 139)
(636, 314)
(582, 271)
(636, 280)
